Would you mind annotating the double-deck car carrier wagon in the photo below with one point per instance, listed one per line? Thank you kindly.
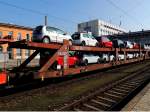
(45, 71)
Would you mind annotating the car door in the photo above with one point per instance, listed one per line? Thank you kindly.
(51, 33)
(92, 40)
(85, 38)
(60, 36)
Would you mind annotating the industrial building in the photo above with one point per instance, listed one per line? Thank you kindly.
(14, 32)
(99, 28)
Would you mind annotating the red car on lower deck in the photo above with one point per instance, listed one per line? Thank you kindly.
(71, 61)
(136, 45)
(104, 42)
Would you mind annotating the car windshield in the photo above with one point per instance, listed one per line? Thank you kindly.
(105, 39)
(38, 30)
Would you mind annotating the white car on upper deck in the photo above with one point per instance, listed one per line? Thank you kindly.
(47, 34)
(84, 39)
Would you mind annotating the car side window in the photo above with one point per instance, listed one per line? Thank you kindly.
(50, 29)
(91, 36)
(60, 32)
(85, 35)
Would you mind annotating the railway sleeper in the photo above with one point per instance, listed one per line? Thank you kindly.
(102, 103)
(106, 99)
(97, 104)
(127, 86)
(112, 96)
(116, 93)
(123, 88)
(91, 107)
(131, 84)
(120, 90)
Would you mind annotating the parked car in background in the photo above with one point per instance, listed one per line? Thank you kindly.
(89, 59)
(117, 43)
(136, 45)
(104, 42)
(47, 34)
(128, 44)
(84, 39)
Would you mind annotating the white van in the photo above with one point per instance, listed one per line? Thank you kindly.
(84, 39)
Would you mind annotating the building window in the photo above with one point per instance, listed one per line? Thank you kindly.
(1, 34)
(28, 37)
(18, 52)
(9, 52)
(1, 49)
(10, 35)
(19, 36)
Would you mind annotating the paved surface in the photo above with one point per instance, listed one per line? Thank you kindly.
(141, 102)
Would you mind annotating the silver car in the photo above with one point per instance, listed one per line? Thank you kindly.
(47, 34)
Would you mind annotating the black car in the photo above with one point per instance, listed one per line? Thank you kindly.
(117, 43)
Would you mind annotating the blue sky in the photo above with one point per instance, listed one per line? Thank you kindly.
(65, 14)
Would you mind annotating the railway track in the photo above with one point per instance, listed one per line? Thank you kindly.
(113, 96)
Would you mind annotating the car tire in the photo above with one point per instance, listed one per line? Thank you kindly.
(54, 66)
(85, 62)
(83, 43)
(46, 40)
(97, 45)
(99, 61)
(104, 60)
(76, 64)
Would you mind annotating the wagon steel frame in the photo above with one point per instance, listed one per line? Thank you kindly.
(44, 71)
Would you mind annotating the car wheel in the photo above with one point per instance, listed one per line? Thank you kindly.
(54, 66)
(105, 60)
(85, 62)
(46, 40)
(99, 61)
(76, 64)
(97, 45)
(83, 43)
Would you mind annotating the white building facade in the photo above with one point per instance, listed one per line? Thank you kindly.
(99, 28)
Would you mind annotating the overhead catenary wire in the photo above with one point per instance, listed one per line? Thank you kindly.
(133, 19)
(36, 12)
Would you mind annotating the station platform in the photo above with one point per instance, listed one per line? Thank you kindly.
(141, 102)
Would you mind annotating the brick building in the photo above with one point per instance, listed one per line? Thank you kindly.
(15, 32)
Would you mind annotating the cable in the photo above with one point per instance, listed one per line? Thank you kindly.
(35, 11)
(124, 12)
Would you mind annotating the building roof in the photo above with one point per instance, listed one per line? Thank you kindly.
(132, 34)
(15, 26)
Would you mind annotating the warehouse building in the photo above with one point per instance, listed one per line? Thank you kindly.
(99, 28)
(14, 32)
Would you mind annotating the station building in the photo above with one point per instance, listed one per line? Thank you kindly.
(14, 32)
(99, 28)
(142, 37)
